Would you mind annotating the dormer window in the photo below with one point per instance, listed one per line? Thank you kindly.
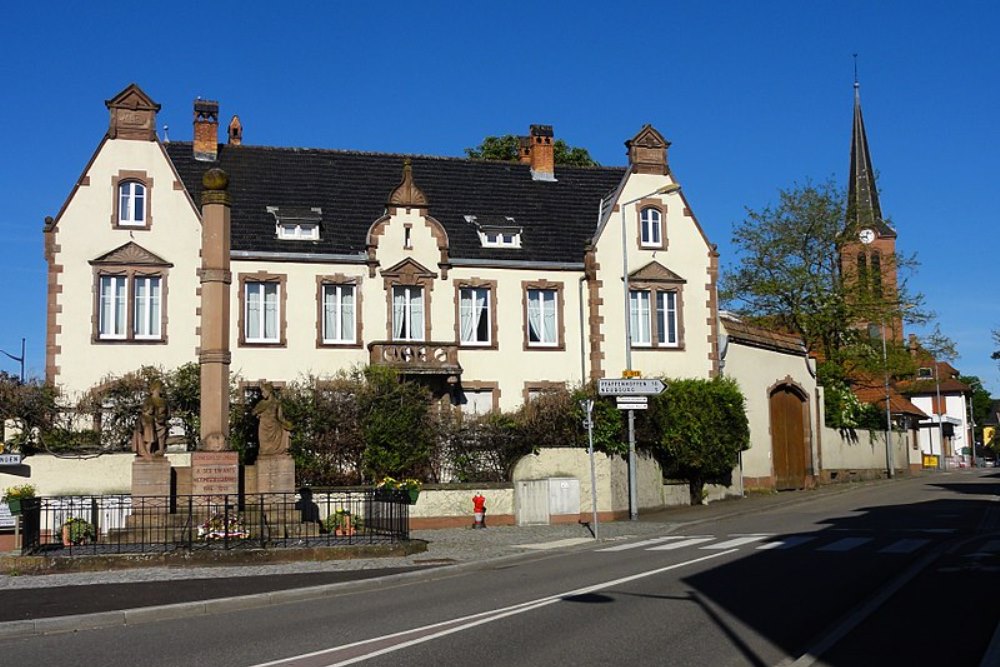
(132, 203)
(496, 231)
(297, 224)
(298, 231)
(925, 373)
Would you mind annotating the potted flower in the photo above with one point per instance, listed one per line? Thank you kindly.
(15, 494)
(408, 487)
(77, 531)
(341, 522)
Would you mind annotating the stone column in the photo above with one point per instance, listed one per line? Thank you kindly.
(214, 468)
(215, 281)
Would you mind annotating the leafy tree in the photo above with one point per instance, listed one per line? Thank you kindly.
(32, 409)
(395, 422)
(981, 402)
(183, 393)
(698, 428)
(789, 275)
(326, 441)
(507, 148)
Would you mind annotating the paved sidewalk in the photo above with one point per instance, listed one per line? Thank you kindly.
(81, 599)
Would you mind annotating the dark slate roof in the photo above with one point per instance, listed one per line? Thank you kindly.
(352, 189)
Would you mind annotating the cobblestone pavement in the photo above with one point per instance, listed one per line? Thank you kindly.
(445, 546)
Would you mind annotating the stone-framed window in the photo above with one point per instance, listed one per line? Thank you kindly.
(476, 317)
(130, 296)
(543, 315)
(263, 298)
(339, 306)
(133, 199)
(652, 224)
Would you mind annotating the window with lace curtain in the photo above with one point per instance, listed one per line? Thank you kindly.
(475, 319)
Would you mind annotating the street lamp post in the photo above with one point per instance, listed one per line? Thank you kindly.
(888, 411)
(633, 494)
(18, 359)
(942, 463)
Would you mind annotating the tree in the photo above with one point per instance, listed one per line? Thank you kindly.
(698, 428)
(30, 407)
(395, 422)
(507, 148)
(981, 402)
(788, 274)
(996, 341)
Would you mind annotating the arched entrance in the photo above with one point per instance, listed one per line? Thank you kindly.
(789, 437)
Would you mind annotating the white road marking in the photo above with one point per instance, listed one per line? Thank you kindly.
(787, 542)
(555, 544)
(454, 625)
(690, 542)
(903, 546)
(845, 544)
(737, 542)
(643, 543)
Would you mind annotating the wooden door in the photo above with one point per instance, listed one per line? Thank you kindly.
(789, 444)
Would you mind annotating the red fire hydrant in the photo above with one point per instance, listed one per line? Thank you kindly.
(479, 511)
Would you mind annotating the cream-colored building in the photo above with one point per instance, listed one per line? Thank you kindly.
(487, 280)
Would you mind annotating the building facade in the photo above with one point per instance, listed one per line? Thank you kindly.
(487, 280)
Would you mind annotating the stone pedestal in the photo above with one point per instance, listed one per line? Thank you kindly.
(215, 473)
(151, 477)
(275, 474)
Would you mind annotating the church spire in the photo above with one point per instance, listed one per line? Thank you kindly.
(862, 195)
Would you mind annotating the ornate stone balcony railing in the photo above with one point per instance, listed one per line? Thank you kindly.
(417, 357)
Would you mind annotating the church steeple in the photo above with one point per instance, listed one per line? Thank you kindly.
(862, 196)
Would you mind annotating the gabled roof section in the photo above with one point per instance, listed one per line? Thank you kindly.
(131, 254)
(862, 194)
(654, 272)
(408, 269)
(898, 404)
(133, 115)
(353, 188)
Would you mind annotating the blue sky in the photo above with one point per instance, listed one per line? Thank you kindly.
(754, 96)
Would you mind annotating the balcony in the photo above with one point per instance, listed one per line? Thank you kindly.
(416, 357)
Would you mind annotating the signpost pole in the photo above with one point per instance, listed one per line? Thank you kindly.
(588, 408)
(633, 490)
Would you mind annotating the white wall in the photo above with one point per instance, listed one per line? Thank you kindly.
(105, 474)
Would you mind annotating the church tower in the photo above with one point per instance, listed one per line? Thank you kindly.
(870, 258)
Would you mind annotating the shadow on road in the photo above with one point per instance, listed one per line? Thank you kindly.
(946, 615)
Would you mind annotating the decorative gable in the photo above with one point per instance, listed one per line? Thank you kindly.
(133, 115)
(131, 254)
(408, 272)
(654, 272)
(407, 194)
(647, 152)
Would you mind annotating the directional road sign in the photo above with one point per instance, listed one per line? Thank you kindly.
(631, 402)
(10, 459)
(633, 387)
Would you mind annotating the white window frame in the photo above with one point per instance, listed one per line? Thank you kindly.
(498, 238)
(641, 317)
(654, 310)
(131, 200)
(148, 307)
(333, 300)
(541, 300)
(666, 319)
(468, 328)
(113, 301)
(298, 231)
(261, 317)
(412, 303)
(651, 227)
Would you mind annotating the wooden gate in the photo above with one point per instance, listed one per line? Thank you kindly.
(789, 441)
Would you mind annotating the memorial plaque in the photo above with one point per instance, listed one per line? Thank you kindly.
(7, 520)
(215, 473)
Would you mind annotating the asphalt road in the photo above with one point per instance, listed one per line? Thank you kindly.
(903, 573)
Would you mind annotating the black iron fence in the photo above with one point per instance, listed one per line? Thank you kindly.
(110, 524)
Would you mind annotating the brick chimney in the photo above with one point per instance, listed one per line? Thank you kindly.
(235, 132)
(206, 130)
(541, 153)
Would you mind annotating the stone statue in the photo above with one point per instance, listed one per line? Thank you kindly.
(272, 427)
(150, 436)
